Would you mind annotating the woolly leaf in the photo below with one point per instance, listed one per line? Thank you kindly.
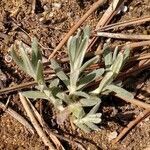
(107, 54)
(117, 65)
(115, 54)
(34, 95)
(89, 62)
(91, 101)
(108, 78)
(120, 91)
(17, 59)
(90, 77)
(39, 73)
(26, 61)
(72, 43)
(81, 94)
(59, 72)
(36, 53)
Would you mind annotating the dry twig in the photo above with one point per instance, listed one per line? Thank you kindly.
(17, 117)
(35, 123)
(124, 24)
(123, 36)
(133, 123)
(106, 18)
(41, 121)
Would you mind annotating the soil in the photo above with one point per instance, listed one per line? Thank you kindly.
(49, 22)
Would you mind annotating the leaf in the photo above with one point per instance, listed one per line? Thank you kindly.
(54, 83)
(92, 126)
(59, 72)
(115, 54)
(90, 77)
(108, 78)
(81, 53)
(107, 54)
(88, 122)
(34, 95)
(117, 65)
(89, 63)
(94, 109)
(74, 77)
(126, 53)
(39, 73)
(72, 45)
(77, 111)
(63, 96)
(120, 91)
(27, 64)
(83, 127)
(86, 31)
(16, 58)
(91, 101)
(36, 53)
(81, 94)
(36, 49)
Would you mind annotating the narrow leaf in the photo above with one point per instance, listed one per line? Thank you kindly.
(108, 78)
(72, 43)
(81, 94)
(54, 83)
(92, 126)
(115, 53)
(36, 53)
(17, 59)
(59, 72)
(91, 101)
(89, 63)
(107, 54)
(90, 77)
(81, 53)
(27, 64)
(94, 109)
(117, 65)
(120, 91)
(34, 95)
(39, 73)
(83, 127)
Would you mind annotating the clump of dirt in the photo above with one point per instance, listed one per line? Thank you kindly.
(49, 22)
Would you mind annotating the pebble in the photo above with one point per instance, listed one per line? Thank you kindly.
(112, 135)
(8, 58)
(56, 5)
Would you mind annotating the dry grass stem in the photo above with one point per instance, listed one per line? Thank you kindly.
(35, 123)
(123, 36)
(133, 123)
(18, 117)
(42, 122)
(124, 24)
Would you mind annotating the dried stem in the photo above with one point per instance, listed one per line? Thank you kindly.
(42, 122)
(35, 123)
(135, 102)
(124, 24)
(123, 36)
(133, 123)
(76, 26)
(106, 18)
(18, 117)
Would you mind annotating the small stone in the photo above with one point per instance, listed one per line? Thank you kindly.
(112, 135)
(8, 58)
(56, 5)
(124, 9)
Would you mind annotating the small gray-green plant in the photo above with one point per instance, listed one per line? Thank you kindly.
(73, 101)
